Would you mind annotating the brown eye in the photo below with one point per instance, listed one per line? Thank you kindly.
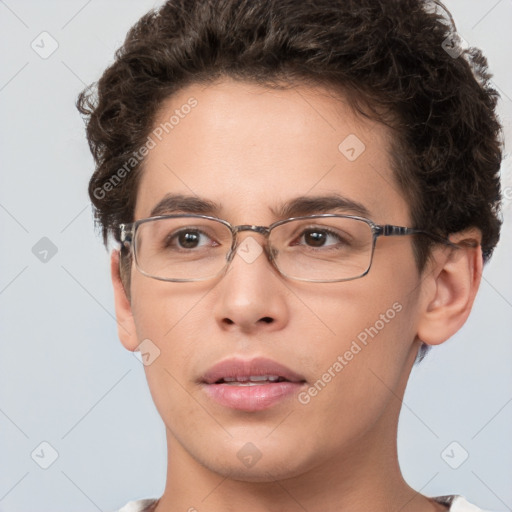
(315, 238)
(189, 239)
(319, 238)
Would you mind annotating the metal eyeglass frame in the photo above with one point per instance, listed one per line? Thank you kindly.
(128, 232)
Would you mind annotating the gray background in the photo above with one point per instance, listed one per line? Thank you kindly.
(65, 379)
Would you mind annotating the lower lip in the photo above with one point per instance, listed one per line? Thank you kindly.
(251, 398)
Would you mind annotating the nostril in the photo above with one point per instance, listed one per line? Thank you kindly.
(267, 319)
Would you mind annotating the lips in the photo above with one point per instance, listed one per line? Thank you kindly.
(253, 370)
(250, 385)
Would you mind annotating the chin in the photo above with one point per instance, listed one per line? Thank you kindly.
(264, 470)
(269, 473)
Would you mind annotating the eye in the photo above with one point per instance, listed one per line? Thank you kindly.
(320, 237)
(188, 239)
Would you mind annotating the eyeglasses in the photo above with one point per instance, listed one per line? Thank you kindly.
(318, 248)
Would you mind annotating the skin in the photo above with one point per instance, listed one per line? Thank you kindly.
(250, 149)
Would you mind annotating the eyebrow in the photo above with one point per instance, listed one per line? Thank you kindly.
(310, 205)
(172, 203)
(296, 207)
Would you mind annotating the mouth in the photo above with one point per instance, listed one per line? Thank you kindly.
(251, 380)
(252, 385)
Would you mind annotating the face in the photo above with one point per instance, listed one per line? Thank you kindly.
(345, 347)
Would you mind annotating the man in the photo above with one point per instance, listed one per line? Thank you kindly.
(304, 194)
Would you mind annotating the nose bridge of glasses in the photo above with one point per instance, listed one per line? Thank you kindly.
(262, 230)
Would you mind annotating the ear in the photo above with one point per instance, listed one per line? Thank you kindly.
(451, 283)
(125, 323)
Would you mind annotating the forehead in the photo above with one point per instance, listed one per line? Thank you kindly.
(250, 149)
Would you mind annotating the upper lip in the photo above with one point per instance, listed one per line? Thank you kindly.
(233, 368)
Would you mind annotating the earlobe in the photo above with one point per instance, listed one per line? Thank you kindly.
(125, 322)
(452, 283)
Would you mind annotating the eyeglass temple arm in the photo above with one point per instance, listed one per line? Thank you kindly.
(390, 230)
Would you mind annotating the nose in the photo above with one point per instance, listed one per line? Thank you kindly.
(251, 296)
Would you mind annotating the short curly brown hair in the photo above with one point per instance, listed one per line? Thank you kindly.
(388, 57)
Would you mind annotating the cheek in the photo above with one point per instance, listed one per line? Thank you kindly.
(361, 347)
(160, 307)
(161, 312)
(356, 377)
